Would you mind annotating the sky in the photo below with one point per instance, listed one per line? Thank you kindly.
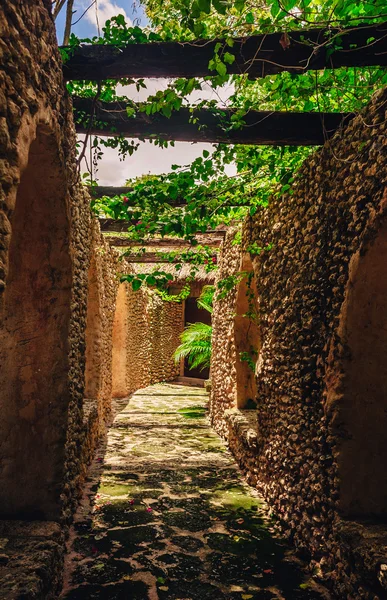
(148, 158)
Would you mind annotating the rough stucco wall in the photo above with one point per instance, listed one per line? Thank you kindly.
(309, 413)
(45, 241)
(33, 104)
(152, 334)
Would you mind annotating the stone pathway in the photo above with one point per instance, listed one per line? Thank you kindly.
(167, 516)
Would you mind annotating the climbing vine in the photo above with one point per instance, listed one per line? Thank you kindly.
(196, 197)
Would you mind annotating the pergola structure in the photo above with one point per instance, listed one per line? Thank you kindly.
(257, 56)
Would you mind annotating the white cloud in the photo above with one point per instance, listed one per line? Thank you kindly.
(148, 159)
(106, 9)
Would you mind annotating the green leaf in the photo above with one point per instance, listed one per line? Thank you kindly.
(220, 7)
(205, 6)
(289, 4)
(228, 58)
(221, 68)
(136, 284)
(250, 18)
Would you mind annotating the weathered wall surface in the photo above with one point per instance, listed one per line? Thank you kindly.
(103, 282)
(44, 239)
(223, 360)
(152, 328)
(321, 374)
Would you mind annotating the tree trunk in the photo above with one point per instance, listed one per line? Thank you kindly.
(69, 17)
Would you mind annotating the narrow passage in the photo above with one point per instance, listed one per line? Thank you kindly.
(167, 515)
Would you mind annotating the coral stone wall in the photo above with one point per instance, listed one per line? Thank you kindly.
(103, 284)
(321, 375)
(44, 255)
(223, 361)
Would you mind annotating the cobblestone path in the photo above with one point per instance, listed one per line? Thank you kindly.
(167, 515)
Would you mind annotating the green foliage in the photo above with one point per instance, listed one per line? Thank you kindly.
(196, 338)
(195, 345)
(229, 283)
(250, 358)
(193, 198)
(255, 250)
(157, 279)
(206, 298)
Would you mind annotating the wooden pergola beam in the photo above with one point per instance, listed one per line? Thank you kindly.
(97, 191)
(257, 55)
(212, 240)
(152, 257)
(121, 226)
(262, 128)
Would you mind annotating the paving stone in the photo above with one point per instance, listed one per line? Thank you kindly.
(170, 516)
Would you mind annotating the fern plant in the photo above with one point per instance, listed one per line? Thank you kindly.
(196, 345)
(196, 337)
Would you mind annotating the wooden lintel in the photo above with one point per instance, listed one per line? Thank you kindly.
(212, 240)
(152, 257)
(257, 55)
(121, 226)
(97, 191)
(261, 127)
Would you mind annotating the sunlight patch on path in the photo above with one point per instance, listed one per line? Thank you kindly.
(167, 514)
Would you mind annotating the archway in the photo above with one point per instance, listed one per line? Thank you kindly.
(357, 385)
(34, 339)
(246, 335)
(119, 352)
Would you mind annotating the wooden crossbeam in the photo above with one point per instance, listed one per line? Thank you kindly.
(262, 128)
(97, 191)
(257, 55)
(151, 257)
(212, 240)
(121, 226)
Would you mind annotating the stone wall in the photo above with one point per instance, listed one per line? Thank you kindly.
(103, 282)
(45, 240)
(146, 334)
(223, 360)
(44, 254)
(320, 451)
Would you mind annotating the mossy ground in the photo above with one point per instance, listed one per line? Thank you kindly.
(167, 515)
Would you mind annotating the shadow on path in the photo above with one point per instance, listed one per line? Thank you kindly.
(167, 515)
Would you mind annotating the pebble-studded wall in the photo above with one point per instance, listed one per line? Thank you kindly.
(223, 361)
(44, 255)
(321, 406)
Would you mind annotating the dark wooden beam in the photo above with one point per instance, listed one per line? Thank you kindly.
(97, 191)
(152, 257)
(210, 239)
(262, 128)
(258, 55)
(120, 226)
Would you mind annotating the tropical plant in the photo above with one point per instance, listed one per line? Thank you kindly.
(195, 346)
(197, 337)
